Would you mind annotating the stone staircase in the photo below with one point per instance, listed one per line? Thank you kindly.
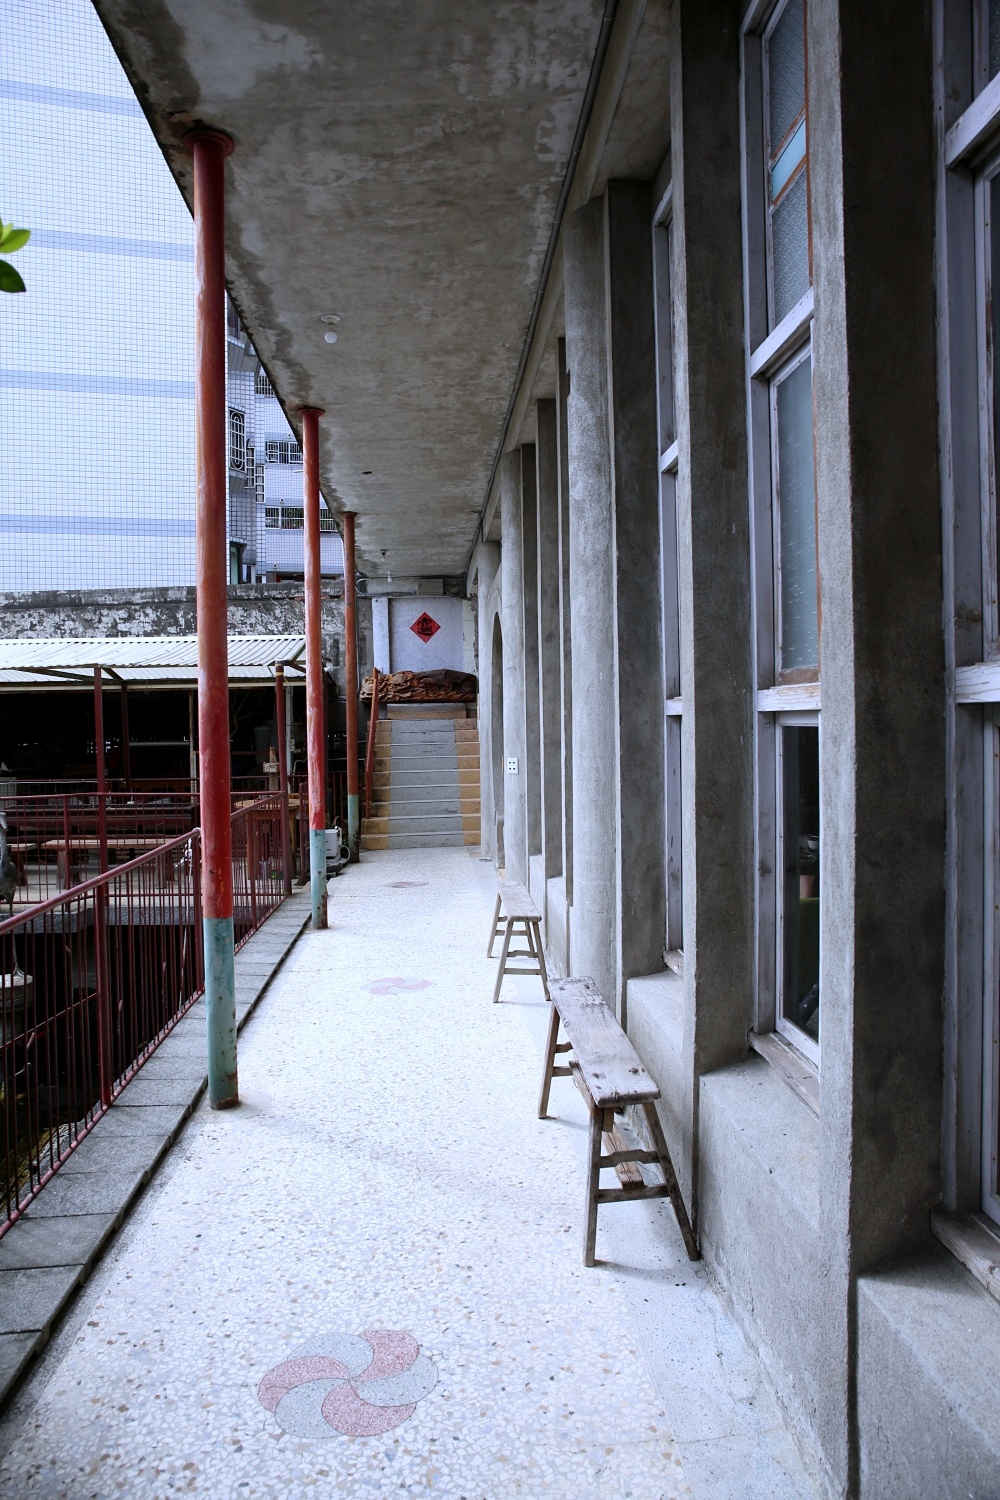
(426, 785)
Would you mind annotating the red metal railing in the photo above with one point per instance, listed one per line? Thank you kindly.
(56, 841)
(370, 749)
(93, 979)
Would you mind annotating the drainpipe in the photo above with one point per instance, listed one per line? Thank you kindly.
(126, 740)
(279, 717)
(210, 149)
(314, 668)
(102, 781)
(351, 687)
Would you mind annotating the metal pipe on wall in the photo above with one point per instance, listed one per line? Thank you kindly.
(280, 735)
(315, 714)
(209, 149)
(351, 687)
(126, 740)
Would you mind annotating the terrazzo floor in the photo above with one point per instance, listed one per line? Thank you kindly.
(366, 1281)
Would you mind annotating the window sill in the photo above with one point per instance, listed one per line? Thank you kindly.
(790, 332)
(797, 1071)
(975, 128)
(973, 1241)
(674, 960)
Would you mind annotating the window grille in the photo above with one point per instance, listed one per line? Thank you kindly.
(272, 515)
(263, 386)
(237, 440)
(280, 451)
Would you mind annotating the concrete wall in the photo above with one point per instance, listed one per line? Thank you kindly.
(254, 609)
(811, 1191)
(409, 652)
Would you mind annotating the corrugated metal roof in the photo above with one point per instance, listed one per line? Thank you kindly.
(163, 659)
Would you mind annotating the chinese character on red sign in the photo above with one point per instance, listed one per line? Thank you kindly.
(425, 627)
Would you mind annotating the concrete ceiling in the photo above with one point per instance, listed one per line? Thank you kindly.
(398, 162)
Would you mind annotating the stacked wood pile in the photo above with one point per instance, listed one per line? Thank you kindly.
(441, 686)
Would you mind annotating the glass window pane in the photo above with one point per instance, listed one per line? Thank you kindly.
(790, 248)
(786, 73)
(799, 1001)
(796, 497)
(994, 25)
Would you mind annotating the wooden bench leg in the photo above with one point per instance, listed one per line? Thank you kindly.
(550, 1062)
(598, 1125)
(494, 927)
(540, 955)
(501, 971)
(670, 1178)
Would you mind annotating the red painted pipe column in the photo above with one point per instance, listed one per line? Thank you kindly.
(210, 149)
(351, 686)
(315, 716)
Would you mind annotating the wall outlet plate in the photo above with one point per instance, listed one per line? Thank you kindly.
(512, 765)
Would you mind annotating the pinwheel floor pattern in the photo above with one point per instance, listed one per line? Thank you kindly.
(358, 1386)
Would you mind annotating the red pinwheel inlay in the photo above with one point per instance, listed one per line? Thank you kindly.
(359, 1386)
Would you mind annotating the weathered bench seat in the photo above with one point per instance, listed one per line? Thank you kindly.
(610, 1075)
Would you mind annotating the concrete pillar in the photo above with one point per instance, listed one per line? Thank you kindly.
(529, 595)
(515, 811)
(316, 739)
(565, 631)
(487, 567)
(641, 844)
(714, 548)
(380, 635)
(593, 921)
(549, 646)
(881, 652)
(619, 878)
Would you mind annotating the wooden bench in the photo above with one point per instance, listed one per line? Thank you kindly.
(515, 914)
(609, 1073)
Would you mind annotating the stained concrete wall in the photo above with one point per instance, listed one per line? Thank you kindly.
(254, 609)
(813, 1217)
(446, 648)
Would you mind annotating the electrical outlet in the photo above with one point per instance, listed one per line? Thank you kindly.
(512, 765)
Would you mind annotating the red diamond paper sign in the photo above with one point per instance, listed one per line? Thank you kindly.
(425, 627)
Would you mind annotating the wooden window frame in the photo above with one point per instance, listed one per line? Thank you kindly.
(771, 351)
(663, 282)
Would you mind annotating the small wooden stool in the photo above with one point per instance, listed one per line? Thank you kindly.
(609, 1074)
(520, 918)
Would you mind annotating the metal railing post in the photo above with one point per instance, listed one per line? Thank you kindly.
(209, 149)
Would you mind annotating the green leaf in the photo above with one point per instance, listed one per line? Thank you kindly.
(10, 281)
(12, 239)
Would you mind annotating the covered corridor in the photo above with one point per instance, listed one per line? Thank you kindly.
(388, 1173)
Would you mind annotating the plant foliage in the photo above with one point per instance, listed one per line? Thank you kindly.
(11, 239)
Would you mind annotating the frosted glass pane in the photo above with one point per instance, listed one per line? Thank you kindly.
(994, 38)
(799, 645)
(790, 248)
(786, 73)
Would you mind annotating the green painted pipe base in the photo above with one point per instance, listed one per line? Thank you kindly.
(353, 824)
(220, 1012)
(317, 877)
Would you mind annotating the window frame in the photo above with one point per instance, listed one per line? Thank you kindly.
(968, 107)
(237, 440)
(801, 168)
(667, 460)
(773, 350)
